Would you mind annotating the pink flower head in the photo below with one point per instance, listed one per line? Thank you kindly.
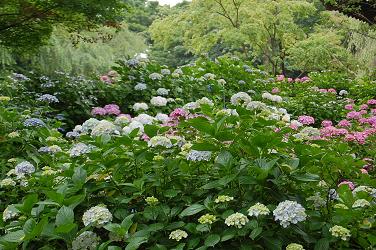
(306, 120)
(145, 137)
(332, 91)
(349, 107)
(363, 112)
(364, 171)
(298, 80)
(280, 78)
(323, 90)
(373, 111)
(126, 115)
(112, 109)
(363, 106)
(289, 79)
(275, 90)
(326, 123)
(105, 79)
(371, 102)
(98, 111)
(344, 123)
(353, 115)
(277, 130)
(178, 112)
(348, 183)
(305, 79)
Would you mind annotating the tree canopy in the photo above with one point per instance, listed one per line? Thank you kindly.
(27, 24)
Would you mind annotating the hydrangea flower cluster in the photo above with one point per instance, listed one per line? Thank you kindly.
(178, 235)
(223, 199)
(97, 216)
(306, 120)
(155, 76)
(270, 97)
(151, 200)
(361, 203)
(158, 101)
(80, 149)
(258, 209)
(207, 219)
(294, 246)
(165, 72)
(103, 127)
(24, 167)
(237, 219)
(109, 109)
(10, 212)
(340, 232)
(34, 122)
(48, 98)
(163, 91)
(162, 141)
(240, 98)
(87, 240)
(140, 86)
(50, 149)
(7, 182)
(289, 212)
(195, 155)
(140, 106)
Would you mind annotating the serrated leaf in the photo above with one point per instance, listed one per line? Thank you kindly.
(65, 215)
(191, 210)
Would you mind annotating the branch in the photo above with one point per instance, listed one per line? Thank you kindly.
(225, 13)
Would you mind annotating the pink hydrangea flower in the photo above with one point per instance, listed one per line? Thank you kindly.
(277, 130)
(323, 90)
(178, 112)
(275, 90)
(112, 109)
(349, 107)
(290, 79)
(353, 115)
(373, 111)
(298, 80)
(306, 120)
(363, 112)
(332, 91)
(326, 123)
(305, 79)
(348, 183)
(280, 78)
(105, 79)
(145, 137)
(344, 123)
(98, 111)
(371, 102)
(364, 171)
(363, 106)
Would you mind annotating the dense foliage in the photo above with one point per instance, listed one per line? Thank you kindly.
(231, 158)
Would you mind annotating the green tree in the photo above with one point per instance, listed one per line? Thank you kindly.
(27, 24)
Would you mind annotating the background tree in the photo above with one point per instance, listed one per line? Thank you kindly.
(27, 24)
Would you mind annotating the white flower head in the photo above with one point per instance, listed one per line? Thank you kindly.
(195, 155)
(258, 209)
(10, 212)
(97, 216)
(103, 127)
(86, 241)
(241, 98)
(158, 101)
(159, 141)
(237, 219)
(178, 235)
(289, 212)
(140, 106)
(340, 232)
(24, 167)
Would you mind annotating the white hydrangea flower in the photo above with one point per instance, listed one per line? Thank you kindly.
(178, 72)
(163, 118)
(97, 216)
(191, 106)
(24, 167)
(195, 155)
(151, 200)
(209, 76)
(206, 101)
(7, 182)
(241, 98)
(144, 119)
(140, 86)
(163, 91)
(286, 118)
(159, 141)
(294, 246)
(155, 76)
(86, 241)
(132, 126)
(223, 199)
(237, 219)
(165, 72)
(140, 106)
(343, 92)
(122, 120)
(361, 203)
(369, 190)
(289, 212)
(258, 209)
(103, 127)
(10, 212)
(158, 101)
(340, 232)
(178, 235)
(222, 81)
(256, 105)
(207, 219)
(80, 149)
(227, 112)
(88, 125)
(273, 98)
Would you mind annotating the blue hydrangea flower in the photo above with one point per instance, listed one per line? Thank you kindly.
(34, 122)
(48, 98)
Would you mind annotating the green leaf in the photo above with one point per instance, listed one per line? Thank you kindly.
(306, 177)
(127, 222)
(29, 226)
(212, 240)
(204, 147)
(322, 244)
(65, 215)
(14, 237)
(191, 210)
(65, 228)
(136, 242)
(79, 176)
(151, 130)
(255, 232)
(224, 158)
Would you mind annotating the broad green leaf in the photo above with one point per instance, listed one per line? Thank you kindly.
(65, 215)
(191, 210)
(212, 240)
